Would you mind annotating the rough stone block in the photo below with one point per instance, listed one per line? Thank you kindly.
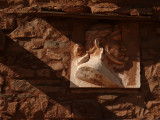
(7, 22)
(86, 109)
(53, 55)
(64, 111)
(37, 43)
(104, 7)
(57, 66)
(77, 9)
(20, 85)
(106, 98)
(31, 109)
(35, 28)
(51, 112)
(55, 44)
(12, 108)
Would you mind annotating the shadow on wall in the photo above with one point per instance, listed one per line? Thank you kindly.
(35, 67)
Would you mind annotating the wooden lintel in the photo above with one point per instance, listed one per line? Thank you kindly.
(104, 90)
(113, 16)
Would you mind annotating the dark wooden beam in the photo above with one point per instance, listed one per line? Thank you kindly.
(109, 16)
(104, 90)
(2, 40)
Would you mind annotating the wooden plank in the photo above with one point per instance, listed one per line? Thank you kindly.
(113, 16)
(103, 90)
(2, 40)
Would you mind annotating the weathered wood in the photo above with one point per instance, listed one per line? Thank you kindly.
(2, 40)
(103, 90)
(109, 16)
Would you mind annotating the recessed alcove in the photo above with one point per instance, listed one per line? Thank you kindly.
(105, 50)
(105, 54)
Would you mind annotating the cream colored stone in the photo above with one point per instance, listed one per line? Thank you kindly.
(98, 66)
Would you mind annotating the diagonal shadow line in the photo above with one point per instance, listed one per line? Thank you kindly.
(29, 62)
(55, 91)
(13, 52)
(63, 86)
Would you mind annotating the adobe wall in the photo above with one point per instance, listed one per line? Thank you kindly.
(35, 67)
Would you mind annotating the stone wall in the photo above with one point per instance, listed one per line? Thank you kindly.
(34, 72)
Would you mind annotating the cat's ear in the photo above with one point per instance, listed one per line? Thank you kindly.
(96, 43)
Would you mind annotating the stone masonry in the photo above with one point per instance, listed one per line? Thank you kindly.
(35, 62)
